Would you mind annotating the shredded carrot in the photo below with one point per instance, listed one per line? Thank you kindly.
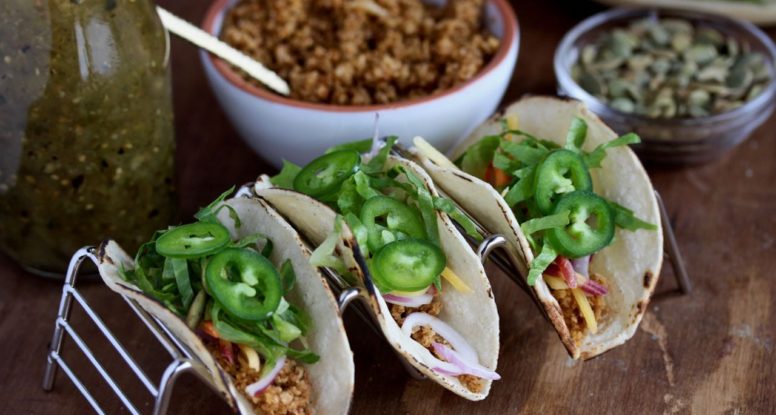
(500, 178)
(490, 174)
(209, 329)
(496, 177)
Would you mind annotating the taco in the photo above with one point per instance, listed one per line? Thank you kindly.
(576, 207)
(238, 291)
(379, 221)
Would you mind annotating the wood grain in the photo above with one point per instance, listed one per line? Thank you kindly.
(709, 352)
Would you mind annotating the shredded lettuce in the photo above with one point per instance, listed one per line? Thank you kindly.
(286, 331)
(287, 276)
(348, 199)
(180, 268)
(455, 213)
(362, 146)
(425, 205)
(626, 218)
(576, 135)
(595, 157)
(194, 315)
(528, 152)
(546, 222)
(266, 339)
(541, 262)
(228, 331)
(359, 231)
(209, 213)
(523, 189)
(285, 178)
(377, 163)
(325, 255)
(250, 241)
(363, 186)
(479, 156)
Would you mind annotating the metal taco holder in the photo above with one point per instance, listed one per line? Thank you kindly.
(183, 360)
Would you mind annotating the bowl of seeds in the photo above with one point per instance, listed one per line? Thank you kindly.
(692, 85)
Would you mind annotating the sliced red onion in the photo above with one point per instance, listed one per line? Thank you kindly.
(465, 365)
(227, 350)
(567, 271)
(449, 369)
(443, 330)
(413, 302)
(581, 265)
(261, 385)
(593, 288)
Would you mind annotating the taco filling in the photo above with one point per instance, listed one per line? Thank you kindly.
(233, 297)
(550, 190)
(393, 216)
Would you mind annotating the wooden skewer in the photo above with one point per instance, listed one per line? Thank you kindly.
(212, 44)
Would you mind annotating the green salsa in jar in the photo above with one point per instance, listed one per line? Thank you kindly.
(86, 133)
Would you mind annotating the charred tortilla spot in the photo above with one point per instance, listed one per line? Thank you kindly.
(641, 307)
(648, 279)
(490, 293)
(462, 177)
(101, 256)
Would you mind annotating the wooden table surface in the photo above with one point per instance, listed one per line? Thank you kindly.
(709, 352)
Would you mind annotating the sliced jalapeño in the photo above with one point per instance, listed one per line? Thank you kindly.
(407, 265)
(192, 240)
(384, 217)
(244, 283)
(326, 174)
(590, 228)
(562, 171)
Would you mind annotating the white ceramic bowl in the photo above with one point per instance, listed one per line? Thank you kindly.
(280, 128)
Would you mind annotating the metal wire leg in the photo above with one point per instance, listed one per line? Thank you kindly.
(488, 245)
(346, 297)
(677, 262)
(65, 306)
(170, 375)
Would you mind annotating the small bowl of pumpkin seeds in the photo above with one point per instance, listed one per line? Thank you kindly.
(692, 85)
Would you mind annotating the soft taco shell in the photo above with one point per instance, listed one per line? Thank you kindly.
(332, 377)
(631, 264)
(474, 315)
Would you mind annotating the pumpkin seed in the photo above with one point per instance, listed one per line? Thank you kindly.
(668, 68)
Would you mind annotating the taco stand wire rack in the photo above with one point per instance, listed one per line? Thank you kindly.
(184, 361)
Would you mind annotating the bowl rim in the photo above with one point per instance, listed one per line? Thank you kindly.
(573, 89)
(510, 38)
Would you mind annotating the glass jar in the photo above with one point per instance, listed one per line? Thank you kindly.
(86, 133)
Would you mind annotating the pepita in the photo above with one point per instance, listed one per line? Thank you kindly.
(670, 68)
